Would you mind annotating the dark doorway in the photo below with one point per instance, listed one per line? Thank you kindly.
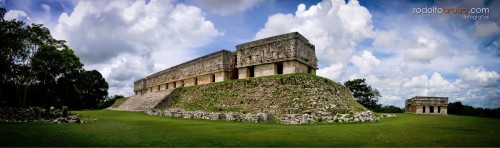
(195, 81)
(175, 85)
(250, 71)
(309, 70)
(212, 78)
(423, 109)
(431, 109)
(439, 109)
(279, 68)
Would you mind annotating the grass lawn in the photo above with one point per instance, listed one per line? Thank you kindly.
(115, 128)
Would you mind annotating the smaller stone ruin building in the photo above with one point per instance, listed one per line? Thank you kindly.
(427, 105)
(282, 54)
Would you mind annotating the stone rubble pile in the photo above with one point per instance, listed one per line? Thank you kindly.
(387, 115)
(366, 116)
(33, 114)
(297, 119)
(69, 119)
(228, 116)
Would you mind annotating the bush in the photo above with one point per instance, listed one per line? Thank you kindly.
(65, 111)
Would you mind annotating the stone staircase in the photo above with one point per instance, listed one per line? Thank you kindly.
(148, 101)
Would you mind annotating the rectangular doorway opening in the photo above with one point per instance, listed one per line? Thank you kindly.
(423, 109)
(195, 81)
(279, 68)
(175, 85)
(250, 72)
(439, 109)
(212, 78)
(431, 109)
(309, 70)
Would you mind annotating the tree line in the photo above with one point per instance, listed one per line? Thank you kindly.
(38, 70)
(457, 108)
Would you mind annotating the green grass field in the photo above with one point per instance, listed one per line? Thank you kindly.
(115, 128)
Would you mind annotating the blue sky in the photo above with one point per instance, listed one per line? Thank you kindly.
(400, 52)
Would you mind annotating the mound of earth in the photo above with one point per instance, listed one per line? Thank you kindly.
(287, 97)
(279, 94)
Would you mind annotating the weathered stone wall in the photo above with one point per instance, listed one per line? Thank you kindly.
(242, 73)
(286, 47)
(184, 74)
(265, 70)
(204, 79)
(294, 67)
(139, 86)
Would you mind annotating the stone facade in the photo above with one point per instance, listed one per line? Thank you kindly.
(282, 54)
(214, 67)
(427, 105)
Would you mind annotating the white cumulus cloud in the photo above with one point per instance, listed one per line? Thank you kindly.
(485, 29)
(128, 40)
(16, 14)
(335, 27)
(480, 76)
(226, 7)
(365, 62)
(332, 72)
(427, 49)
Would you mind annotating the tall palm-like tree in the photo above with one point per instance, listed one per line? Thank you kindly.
(2, 13)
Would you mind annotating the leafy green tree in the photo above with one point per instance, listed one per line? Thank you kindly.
(12, 38)
(456, 108)
(364, 93)
(94, 88)
(38, 70)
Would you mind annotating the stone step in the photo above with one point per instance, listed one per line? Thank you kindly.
(148, 101)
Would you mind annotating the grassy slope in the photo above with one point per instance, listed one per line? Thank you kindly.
(274, 94)
(115, 128)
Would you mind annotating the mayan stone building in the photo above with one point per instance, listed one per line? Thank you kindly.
(282, 54)
(427, 105)
(214, 67)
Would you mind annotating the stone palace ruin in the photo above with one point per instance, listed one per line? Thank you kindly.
(290, 99)
(282, 54)
(427, 105)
